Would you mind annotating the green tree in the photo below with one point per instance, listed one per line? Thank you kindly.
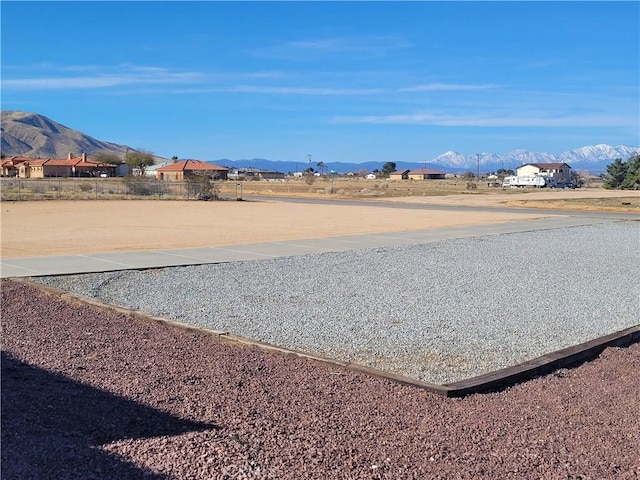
(388, 168)
(632, 178)
(616, 173)
(139, 160)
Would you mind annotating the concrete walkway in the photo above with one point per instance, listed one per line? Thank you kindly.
(133, 260)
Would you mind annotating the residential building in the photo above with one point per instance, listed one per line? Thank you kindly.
(11, 166)
(24, 167)
(560, 172)
(399, 175)
(425, 174)
(179, 171)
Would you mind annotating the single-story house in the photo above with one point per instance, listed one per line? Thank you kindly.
(10, 166)
(560, 172)
(399, 175)
(180, 170)
(56, 167)
(425, 174)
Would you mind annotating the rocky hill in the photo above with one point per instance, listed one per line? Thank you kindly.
(33, 135)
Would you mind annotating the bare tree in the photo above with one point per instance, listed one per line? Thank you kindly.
(108, 157)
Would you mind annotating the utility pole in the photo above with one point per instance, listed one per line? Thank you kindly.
(478, 168)
(309, 166)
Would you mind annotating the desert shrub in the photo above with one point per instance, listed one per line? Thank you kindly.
(85, 187)
(201, 187)
(37, 188)
(139, 185)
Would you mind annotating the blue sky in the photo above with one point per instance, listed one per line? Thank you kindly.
(342, 81)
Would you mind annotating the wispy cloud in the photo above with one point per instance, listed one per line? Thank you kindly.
(360, 46)
(95, 77)
(73, 77)
(300, 90)
(519, 120)
(439, 87)
(321, 91)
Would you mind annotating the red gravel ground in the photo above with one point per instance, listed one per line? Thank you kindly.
(89, 393)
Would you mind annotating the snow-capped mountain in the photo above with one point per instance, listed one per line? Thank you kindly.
(591, 158)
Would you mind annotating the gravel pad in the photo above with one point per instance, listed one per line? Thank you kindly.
(438, 312)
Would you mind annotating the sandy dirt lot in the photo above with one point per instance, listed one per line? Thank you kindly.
(32, 229)
(41, 228)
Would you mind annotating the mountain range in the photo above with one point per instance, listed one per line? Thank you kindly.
(34, 135)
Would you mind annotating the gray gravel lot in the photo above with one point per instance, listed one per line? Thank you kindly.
(438, 312)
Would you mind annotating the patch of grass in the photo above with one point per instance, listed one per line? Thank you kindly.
(629, 204)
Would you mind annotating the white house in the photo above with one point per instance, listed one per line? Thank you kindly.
(560, 172)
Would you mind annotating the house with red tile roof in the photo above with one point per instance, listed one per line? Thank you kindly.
(179, 171)
(10, 166)
(71, 166)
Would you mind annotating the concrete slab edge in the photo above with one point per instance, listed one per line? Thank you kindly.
(490, 382)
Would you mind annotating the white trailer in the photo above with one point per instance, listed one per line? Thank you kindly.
(534, 181)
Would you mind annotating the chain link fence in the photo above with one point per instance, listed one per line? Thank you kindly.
(16, 189)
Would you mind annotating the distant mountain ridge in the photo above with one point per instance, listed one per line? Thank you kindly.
(34, 135)
(592, 158)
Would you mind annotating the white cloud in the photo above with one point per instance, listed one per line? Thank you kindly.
(439, 87)
(102, 77)
(519, 120)
(299, 90)
(363, 46)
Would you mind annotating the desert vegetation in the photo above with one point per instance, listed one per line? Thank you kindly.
(327, 186)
